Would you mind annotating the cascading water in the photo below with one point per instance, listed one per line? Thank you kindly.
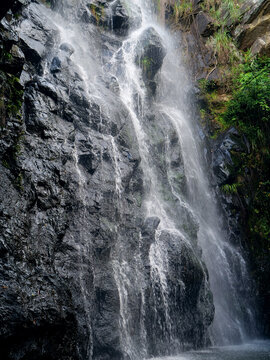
(231, 320)
(162, 275)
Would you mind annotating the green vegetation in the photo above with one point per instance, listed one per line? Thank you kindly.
(231, 188)
(11, 98)
(225, 51)
(182, 9)
(181, 13)
(249, 112)
(46, 2)
(216, 103)
(222, 11)
(249, 108)
(146, 65)
(98, 12)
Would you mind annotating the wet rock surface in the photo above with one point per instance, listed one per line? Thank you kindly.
(224, 166)
(61, 224)
(150, 55)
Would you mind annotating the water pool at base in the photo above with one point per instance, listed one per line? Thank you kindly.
(256, 350)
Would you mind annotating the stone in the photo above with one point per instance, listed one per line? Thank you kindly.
(254, 24)
(14, 5)
(185, 290)
(13, 63)
(67, 48)
(222, 160)
(114, 16)
(150, 54)
(261, 46)
(150, 225)
(252, 9)
(204, 24)
(259, 28)
(55, 65)
(66, 224)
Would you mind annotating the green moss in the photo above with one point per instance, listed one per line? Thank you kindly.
(5, 164)
(19, 182)
(146, 62)
(47, 3)
(138, 199)
(231, 188)
(11, 97)
(98, 12)
(249, 111)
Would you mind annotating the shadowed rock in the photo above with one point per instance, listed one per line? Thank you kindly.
(150, 55)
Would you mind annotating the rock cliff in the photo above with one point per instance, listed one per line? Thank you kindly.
(68, 224)
(213, 38)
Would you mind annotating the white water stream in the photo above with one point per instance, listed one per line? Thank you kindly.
(172, 109)
(218, 254)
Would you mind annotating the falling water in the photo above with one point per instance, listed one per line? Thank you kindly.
(184, 206)
(231, 320)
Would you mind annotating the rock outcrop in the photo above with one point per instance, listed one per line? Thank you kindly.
(254, 30)
(150, 54)
(70, 229)
(202, 35)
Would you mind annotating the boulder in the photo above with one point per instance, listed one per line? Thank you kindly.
(61, 61)
(261, 46)
(13, 61)
(124, 19)
(204, 24)
(55, 65)
(250, 33)
(148, 236)
(252, 9)
(114, 15)
(176, 305)
(150, 225)
(67, 48)
(255, 23)
(150, 54)
(14, 5)
(222, 159)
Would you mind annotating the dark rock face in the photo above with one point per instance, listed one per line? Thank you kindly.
(253, 31)
(204, 24)
(186, 297)
(150, 55)
(63, 231)
(224, 168)
(115, 16)
(13, 5)
(229, 142)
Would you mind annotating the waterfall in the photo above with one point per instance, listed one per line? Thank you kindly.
(230, 323)
(182, 246)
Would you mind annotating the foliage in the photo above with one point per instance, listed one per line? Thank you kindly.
(222, 11)
(216, 102)
(98, 13)
(249, 111)
(231, 188)
(46, 2)
(224, 48)
(182, 9)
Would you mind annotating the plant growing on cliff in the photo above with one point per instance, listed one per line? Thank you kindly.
(222, 11)
(182, 9)
(98, 12)
(231, 188)
(249, 111)
(224, 48)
